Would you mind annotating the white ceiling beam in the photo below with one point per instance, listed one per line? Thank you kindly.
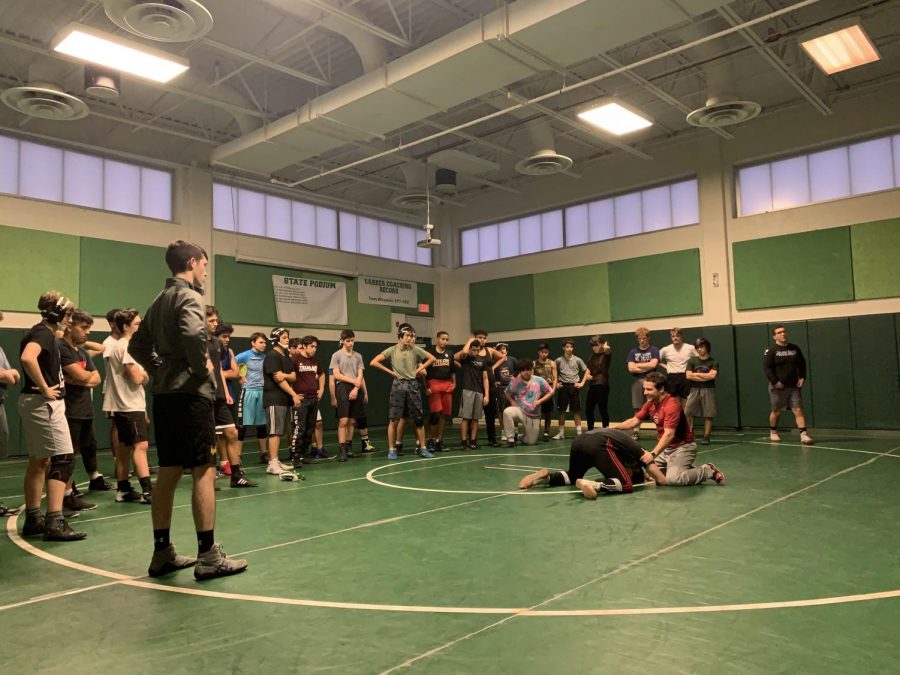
(360, 23)
(241, 54)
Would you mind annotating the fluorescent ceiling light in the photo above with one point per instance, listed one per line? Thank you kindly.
(94, 46)
(615, 118)
(841, 49)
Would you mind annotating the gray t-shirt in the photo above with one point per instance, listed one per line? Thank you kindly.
(121, 394)
(349, 364)
(569, 372)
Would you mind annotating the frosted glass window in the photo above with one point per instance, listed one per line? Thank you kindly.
(577, 225)
(552, 230)
(303, 223)
(368, 235)
(82, 180)
(349, 234)
(602, 216)
(251, 213)
(685, 203)
(469, 247)
(423, 256)
(278, 218)
(530, 234)
(488, 243)
(755, 184)
(388, 245)
(628, 214)
(156, 194)
(790, 182)
(656, 209)
(829, 175)
(121, 187)
(224, 207)
(326, 228)
(406, 243)
(871, 166)
(9, 165)
(509, 239)
(40, 171)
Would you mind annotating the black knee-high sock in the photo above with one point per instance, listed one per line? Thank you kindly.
(205, 541)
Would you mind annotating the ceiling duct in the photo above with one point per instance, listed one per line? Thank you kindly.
(161, 20)
(42, 97)
(545, 161)
(445, 182)
(101, 82)
(417, 195)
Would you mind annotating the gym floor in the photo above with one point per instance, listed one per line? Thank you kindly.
(443, 566)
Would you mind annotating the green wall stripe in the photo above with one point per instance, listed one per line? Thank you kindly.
(502, 304)
(655, 286)
(35, 262)
(875, 249)
(572, 297)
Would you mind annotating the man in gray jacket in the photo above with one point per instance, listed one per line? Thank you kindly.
(171, 345)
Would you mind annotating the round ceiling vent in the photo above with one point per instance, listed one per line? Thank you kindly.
(161, 20)
(415, 200)
(544, 164)
(46, 101)
(724, 113)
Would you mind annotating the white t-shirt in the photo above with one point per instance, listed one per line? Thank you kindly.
(676, 360)
(120, 393)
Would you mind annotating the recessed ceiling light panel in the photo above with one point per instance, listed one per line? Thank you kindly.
(616, 118)
(94, 46)
(842, 49)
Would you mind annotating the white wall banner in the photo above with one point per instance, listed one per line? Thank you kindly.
(393, 292)
(315, 301)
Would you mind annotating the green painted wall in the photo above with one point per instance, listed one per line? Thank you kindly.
(579, 295)
(35, 262)
(502, 304)
(632, 296)
(875, 248)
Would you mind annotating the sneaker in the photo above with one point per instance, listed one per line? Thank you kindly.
(100, 484)
(578, 431)
(167, 561)
(774, 437)
(424, 452)
(368, 447)
(440, 447)
(588, 488)
(610, 485)
(34, 525)
(540, 477)
(70, 513)
(283, 466)
(9, 511)
(805, 439)
(546, 438)
(392, 454)
(309, 458)
(214, 563)
(274, 469)
(130, 496)
(59, 530)
(704, 440)
(323, 456)
(560, 436)
(503, 438)
(241, 481)
(76, 503)
(716, 475)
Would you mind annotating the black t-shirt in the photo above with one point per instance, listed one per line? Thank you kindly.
(273, 394)
(598, 364)
(78, 399)
(48, 360)
(443, 365)
(214, 349)
(472, 367)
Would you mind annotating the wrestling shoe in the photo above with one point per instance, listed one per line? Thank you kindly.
(214, 563)
(130, 496)
(440, 447)
(431, 445)
(716, 475)
(167, 561)
(100, 484)
(805, 439)
(34, 525)
(146, 497)
(342, 453)
(241, 481)
(588, 488)
(367, 446)
(58, 529)
(546, 438)
(704, 440)
(323, 456)
(540, 477)
(76, 503)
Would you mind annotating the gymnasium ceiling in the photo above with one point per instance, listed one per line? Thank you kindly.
(298, 90)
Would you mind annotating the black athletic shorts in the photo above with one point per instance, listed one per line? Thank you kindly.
(677, 384)
(185, 429)
(222, 414)
(568, 398)
(346, 407)
(132, 427)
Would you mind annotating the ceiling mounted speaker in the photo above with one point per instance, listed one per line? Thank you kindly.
(544, 163)
(445, 182)
(46, 101)
(414, 200)
(161, 20)
(101, 82)
(723, 113)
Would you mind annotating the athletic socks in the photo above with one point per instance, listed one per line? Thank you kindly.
(32, 513)
(146, 484)
(803, 430)
(95, 474)
(363, 440)
(123, 485)
(160, 540)
(205, 541)
(235, 469)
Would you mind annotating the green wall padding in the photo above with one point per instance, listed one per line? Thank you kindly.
(631, 296)
(571, 297)
(753, 395)
(830, 363)
(502, 304)
(106, 264)
(875, 249)
(876, 381)
(795, 269)
(35, 262)
(244, 295)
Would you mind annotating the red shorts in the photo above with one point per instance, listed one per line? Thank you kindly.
(440, 400)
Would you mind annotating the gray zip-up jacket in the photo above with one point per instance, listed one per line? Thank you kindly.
(171, 342)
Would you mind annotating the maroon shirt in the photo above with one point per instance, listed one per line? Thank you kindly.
(308, 371)
(667, 414)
